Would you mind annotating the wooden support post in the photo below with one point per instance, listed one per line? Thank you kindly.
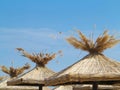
(40, 87)
(95, 86)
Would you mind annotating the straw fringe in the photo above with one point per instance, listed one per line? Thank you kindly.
(39, 58)
(102, 42)
(14, 72)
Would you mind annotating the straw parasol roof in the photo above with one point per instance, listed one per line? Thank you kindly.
(95, 68)
(36, 76)
(14, 72)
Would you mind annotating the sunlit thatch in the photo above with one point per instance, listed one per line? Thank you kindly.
(102, 42)
(13, 72)
(36, 76)
(94, 68)
(38, 58)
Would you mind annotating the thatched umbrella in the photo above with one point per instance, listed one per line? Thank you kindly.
(14, 72)
(95, 68)
(36, 76)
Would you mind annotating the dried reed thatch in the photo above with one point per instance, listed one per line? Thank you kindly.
(36, 76)
(3, 86)
(14, 72)
(102, 42)
(38, 58)
(95, 68)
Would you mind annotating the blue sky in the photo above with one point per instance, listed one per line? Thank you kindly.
(35, 25)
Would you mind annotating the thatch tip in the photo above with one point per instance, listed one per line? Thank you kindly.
(20, 49)
(41, 59)
(14, 72)
(102, 42)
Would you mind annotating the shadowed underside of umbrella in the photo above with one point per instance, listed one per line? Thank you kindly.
(86, 87)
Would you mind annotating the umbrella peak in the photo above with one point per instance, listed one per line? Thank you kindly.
(103, 42)
(41, 59)
(14, 72)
